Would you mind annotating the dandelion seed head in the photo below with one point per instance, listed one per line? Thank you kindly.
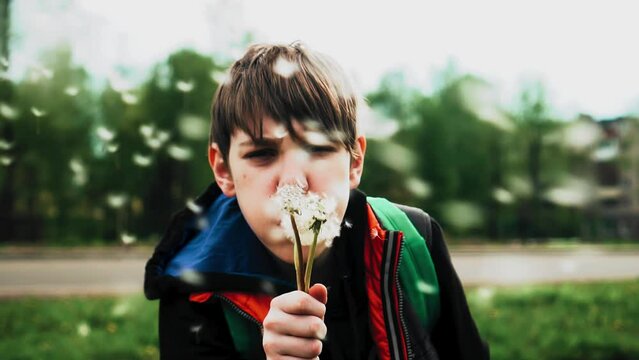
(425, 287)
(309, 210)
(348, 224)
(141, 160)
(503, 196)
(220, 77)
(7, 111)
(112, 148)
(117, 200)
(571, 192)
(267, 287)
(127, 239)
(105, 134)
(120, 309)
(285, 68)
(462, 215)
(5, 145)
(179, 153)
(71, 91)
(184, 86)
(195, 328)
(192, 276)
(193, 127)
(418, 187)
(83, 329)
(153, 143)
(6, 160)
(129, 98)
(202, 223)
(119, 83)
(37, 112)
(485, 295)
(280, 131)
(312, 125)
(146, 130)
(79, 172)
(195, 208)
(316, 138)
(581, 134)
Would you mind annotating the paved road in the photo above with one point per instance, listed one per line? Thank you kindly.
(113, 274)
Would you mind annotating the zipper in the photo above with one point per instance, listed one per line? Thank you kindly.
(242, 313)
(400, 297)
(397, 326)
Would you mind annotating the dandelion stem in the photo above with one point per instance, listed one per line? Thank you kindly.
(298, 257)
(309, 264)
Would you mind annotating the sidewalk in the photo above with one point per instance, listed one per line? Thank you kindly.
(145, 251)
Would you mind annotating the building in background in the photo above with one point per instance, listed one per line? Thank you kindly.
(614, 214)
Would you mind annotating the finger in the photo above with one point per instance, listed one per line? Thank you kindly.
(307, 326)
(319, 292)
(299, 303)
(278, 345)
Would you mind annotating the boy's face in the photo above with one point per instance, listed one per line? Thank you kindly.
(256, 169)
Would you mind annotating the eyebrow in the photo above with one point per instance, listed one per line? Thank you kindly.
(261, 142)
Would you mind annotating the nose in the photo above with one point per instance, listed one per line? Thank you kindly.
(293, 169)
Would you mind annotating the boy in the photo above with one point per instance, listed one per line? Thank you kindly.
(223, 272)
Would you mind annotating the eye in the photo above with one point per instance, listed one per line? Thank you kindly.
(321, 149)
(261, 154)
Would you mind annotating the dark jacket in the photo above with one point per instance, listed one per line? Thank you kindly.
(198, 330)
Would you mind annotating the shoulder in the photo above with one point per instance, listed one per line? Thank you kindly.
(421, 220)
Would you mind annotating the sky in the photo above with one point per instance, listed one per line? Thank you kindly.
(584, 53)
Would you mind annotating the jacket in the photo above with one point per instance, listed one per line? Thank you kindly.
(200, 319)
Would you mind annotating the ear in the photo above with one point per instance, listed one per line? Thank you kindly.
(357, 161)
(221, 171)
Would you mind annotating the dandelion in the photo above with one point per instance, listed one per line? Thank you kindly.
(127, 239)
(5, 145)
(191, 276)
(120, 309)
(306, 219)
(116, 201)
(141, 160)
(129, 98)
(285, 68)
(105, 134)
(185, 86)
(179, 152)
(6, 160)
(220, 77)
(37, 112)
(146, 130)
(112, 148)
(72, 91)
(79, 171)
(83, 329)
(7, 111)
(191, 205)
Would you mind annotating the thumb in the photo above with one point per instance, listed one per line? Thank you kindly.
(319, 292)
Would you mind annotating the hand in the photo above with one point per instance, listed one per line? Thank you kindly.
(295, 325)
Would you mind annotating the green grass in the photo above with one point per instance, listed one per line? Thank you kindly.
(571, 321)
(78, 328)
(598, 321)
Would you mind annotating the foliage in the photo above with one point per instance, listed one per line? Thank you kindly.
(570, 321)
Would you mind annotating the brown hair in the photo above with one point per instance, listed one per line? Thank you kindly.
(286, 83)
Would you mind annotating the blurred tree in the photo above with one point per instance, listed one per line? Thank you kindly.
(54, 111)
(7, 180)
(162, 135)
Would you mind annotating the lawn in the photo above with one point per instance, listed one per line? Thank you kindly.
(569, 321)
